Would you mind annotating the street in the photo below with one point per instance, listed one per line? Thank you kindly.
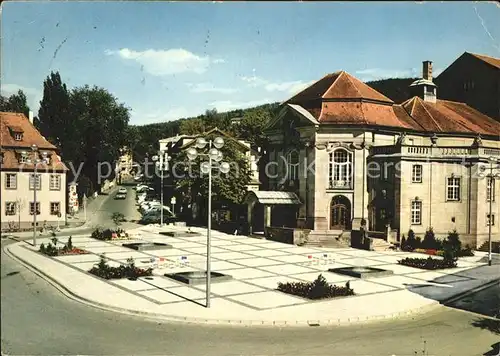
(73, 328)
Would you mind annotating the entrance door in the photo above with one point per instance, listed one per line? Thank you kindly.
(340, 213)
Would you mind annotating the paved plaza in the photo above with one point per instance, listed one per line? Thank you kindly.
(256, 267)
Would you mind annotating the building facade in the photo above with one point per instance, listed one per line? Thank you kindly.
(473, 79)
(350, 157)
(30, 162)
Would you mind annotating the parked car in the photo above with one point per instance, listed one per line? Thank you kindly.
(120, 196)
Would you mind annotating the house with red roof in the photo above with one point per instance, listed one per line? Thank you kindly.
(344, 157)
(29, 162)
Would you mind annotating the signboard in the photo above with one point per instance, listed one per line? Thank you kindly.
(172, 201)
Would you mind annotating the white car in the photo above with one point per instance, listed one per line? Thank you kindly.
(122, 190)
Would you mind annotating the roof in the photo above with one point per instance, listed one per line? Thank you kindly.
(273, 198)
(495, 62)
(445, 116)
(338, 86)
(30, 137)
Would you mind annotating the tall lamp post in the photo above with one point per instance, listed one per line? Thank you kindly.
(162, 163)
(214, 155)
(494, 163)
(35, 162)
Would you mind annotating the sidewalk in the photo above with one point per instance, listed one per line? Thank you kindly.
(250, 298)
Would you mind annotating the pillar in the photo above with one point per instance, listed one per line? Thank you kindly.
(267, 215)
(250, 206)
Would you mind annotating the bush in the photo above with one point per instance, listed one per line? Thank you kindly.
(107, 234)
(130, 271)
(52, 250)
(430, 241)
(428, 263)
(466, 252)
(319, 289)
(411, 242)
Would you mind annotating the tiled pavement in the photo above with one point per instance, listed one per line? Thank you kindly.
(255, 265)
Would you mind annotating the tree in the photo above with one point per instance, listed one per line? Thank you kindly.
(192, 127)
(230, 187)
(15, 103)
(54, 120)
(252, 126)
(117, 218)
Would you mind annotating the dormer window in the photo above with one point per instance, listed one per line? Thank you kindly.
(23, 157)
(16, 132)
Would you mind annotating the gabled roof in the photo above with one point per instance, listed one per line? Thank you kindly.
(495, 62)
(338, 86)
(21, 123)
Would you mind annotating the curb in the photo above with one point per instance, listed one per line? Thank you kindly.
(470, 291)
(222, 322)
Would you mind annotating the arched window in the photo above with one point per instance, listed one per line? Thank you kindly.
(293, 165)
(340, 172)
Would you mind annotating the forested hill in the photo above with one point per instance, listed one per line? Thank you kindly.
(396, 89)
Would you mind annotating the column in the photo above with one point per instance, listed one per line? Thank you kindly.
(267, 215)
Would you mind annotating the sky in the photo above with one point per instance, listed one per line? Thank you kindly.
(168, 60)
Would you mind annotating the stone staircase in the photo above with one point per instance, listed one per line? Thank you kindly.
(329, 238)
(495, 247)
(380, 245)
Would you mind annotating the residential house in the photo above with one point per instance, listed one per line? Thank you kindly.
(473, 79)
(345, 156)
(29, 162)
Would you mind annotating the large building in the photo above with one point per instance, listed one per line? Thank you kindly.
(26, 152)
(473, 79)
(344, 156)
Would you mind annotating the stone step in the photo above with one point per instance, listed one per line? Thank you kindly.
(495, 247)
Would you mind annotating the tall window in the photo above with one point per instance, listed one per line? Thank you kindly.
(11, 181)
(416, 212)
(32, 208)
(416, 173)
(490, 220)
(340, 170)
(10, 208)
(55, 208)
(55, 182)
(293, 165)
(38, 181)
(453, 189)
(490, 189)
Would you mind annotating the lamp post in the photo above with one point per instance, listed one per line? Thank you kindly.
(161, 162)
(214, 155)
(494, 163)
(35, 162)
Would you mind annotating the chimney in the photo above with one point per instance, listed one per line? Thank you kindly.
(427, 70)
(31, 116)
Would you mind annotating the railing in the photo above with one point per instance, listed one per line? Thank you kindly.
(490, 151)
(418, 150)
(435, 151)
(340, 184)
(454, 151)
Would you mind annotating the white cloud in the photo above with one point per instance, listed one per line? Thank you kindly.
(378, 73)
(228, 105)
(209, 88)
(166, 62)
(291, 87)
(33, 95)
(218, 61)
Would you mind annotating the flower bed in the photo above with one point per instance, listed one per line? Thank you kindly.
(108, 234)
(431, 252)
(428, 263)
(52, 250)
(319, 289)
(130, 271)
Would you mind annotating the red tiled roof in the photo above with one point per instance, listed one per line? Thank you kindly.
(12, 148)
(30, 133)
(337, 86)
(495, 62)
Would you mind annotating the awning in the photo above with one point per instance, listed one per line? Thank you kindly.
(273, 198)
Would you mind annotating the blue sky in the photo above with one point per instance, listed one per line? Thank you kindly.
(170, 60)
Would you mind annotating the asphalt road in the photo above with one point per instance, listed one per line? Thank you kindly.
(36, 319)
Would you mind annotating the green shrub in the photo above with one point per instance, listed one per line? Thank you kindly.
(104, 271)
(319, 289)
(428, 263)
(411, 242)
(430, 241)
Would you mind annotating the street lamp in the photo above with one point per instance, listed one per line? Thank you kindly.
(35, 162)
(214, 155)
(494, 164)
(161, 162)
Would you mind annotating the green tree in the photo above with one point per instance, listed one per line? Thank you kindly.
(192, 126)
(230, 187)
(54, 120)
(252, 124)
(15, 103)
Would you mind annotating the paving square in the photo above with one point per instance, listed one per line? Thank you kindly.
(245, 273)
(332, 278)
(78, 258)
(132, 285)
(361, 286)
(161, 296)
(243, 247)
(232, 287)
(224, 265)
(399, 269)
(188, 292)
(268, 299)
(230, 255)
(272, 282)
(399, 281)
(257, 262)
(201, 249)
(286, 269)
(268, 253)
